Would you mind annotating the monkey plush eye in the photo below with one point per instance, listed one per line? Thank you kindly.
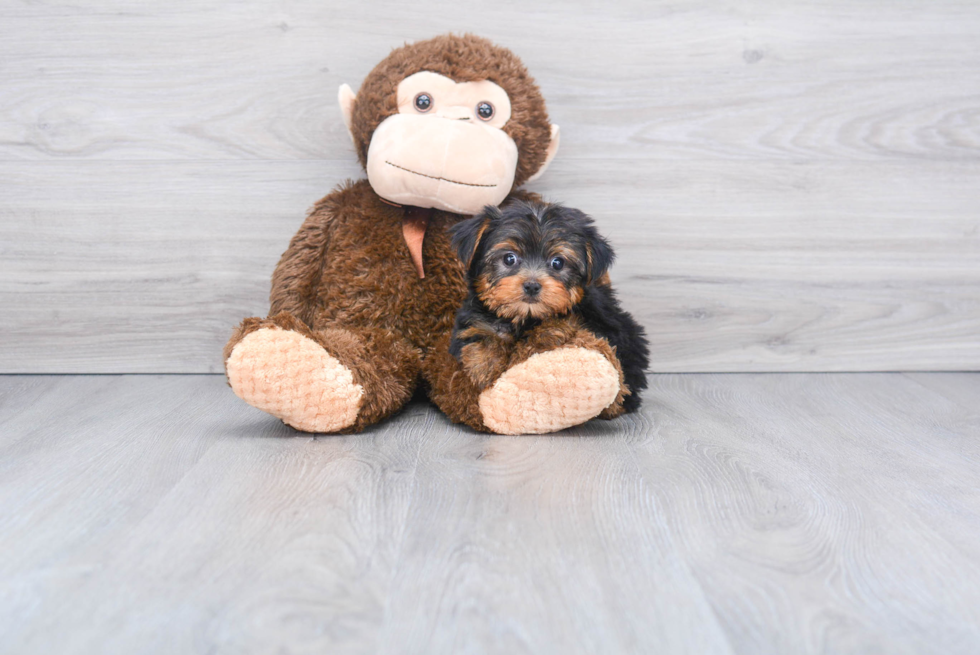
(423, 102)
(557, 263)
(484, 110)
(510, 259)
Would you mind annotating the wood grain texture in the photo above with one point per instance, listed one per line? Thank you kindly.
(807, 267)
(678, 80)
(790, 186)
(107, 523)
(847, 492)
(743, 513)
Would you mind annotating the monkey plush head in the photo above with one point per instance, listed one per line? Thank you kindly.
(452, 123)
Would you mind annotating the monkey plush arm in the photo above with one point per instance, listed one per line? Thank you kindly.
(556, 375)
(297, 275)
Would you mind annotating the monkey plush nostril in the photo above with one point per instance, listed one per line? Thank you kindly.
(532, 287)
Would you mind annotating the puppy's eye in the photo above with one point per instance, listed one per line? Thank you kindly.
(484, 110)
(423, 102)
(557, 263)
(510, 259)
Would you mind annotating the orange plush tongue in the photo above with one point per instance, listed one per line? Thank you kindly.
(414, 222)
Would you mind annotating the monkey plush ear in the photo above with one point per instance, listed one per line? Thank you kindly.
(466, 234)
(599, 256)
(551, 152)
(345, 96)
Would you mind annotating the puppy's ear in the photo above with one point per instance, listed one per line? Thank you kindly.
(466, 235)
(599, 256)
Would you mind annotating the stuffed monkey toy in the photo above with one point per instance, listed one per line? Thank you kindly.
(364, 298)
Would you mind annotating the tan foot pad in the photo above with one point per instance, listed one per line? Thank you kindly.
(550, 391)
(293, 378)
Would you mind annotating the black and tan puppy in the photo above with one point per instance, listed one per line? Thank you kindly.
(526, 264)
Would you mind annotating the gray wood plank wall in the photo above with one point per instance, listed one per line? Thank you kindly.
(791, 185)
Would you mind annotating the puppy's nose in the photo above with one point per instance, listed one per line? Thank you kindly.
(532, 287)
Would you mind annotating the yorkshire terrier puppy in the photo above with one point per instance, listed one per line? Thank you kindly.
(527, 264)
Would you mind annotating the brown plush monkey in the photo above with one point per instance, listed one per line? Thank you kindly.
(363, 300)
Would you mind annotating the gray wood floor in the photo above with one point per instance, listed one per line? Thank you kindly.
(738, 513)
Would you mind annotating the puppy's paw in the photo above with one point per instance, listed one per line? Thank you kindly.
(484, 361)
(553, 332)
(483, 350)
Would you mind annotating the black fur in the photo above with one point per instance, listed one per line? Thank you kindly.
(538, 227)
(466, 234)
(602, 314)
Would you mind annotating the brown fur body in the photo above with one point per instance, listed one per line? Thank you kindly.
(361, 274)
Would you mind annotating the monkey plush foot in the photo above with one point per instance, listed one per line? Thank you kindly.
(550, 391)
(293, 378)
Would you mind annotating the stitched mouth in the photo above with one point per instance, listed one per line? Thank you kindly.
(435, 177)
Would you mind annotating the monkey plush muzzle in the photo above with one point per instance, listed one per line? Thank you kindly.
(441, 162)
